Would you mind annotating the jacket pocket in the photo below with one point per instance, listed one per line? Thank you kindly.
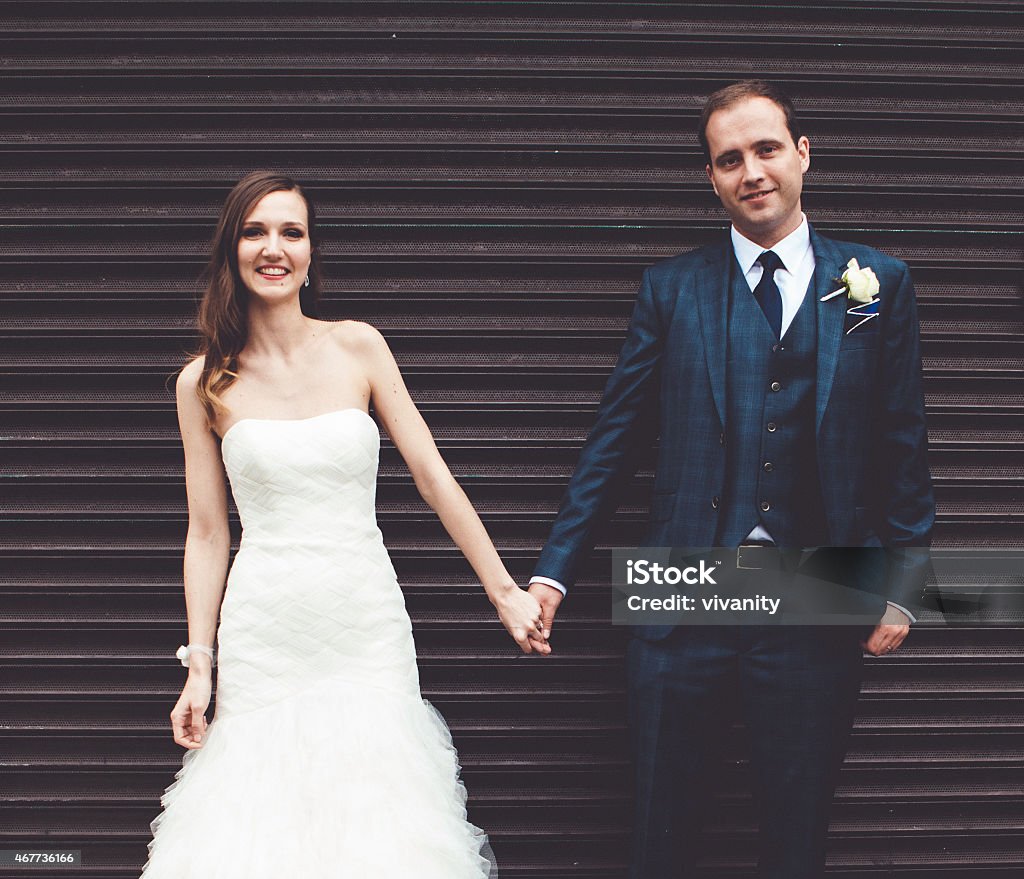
(858, 340)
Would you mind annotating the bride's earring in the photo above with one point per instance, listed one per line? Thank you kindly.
(307, 281)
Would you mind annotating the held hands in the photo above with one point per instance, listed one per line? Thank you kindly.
(549, 599)
(888, 634)
(520, 613)
(188, 717)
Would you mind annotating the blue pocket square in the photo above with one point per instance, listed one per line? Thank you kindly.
(865, 307)
(862, 317)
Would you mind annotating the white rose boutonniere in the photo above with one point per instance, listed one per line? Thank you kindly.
(861, 283)
(861, 288)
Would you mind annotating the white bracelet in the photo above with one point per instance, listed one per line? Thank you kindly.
(184, 652)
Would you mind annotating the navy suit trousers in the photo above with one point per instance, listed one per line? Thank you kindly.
(797, 689)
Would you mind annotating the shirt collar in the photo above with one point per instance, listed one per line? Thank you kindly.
(791, 249)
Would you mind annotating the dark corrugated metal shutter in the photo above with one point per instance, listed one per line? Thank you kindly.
(493, 177)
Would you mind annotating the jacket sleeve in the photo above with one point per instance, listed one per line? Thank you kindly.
(905, 501)
(608, 456)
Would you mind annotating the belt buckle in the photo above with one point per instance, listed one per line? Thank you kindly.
(756, 557)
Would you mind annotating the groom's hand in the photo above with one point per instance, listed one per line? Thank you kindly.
(548, 598)
(889, 633)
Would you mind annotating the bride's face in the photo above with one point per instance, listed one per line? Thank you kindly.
(273, 249)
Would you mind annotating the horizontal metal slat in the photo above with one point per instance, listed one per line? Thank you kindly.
(978, 20)
(333, 126)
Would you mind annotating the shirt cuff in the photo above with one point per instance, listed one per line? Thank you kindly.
(910, 616)
(547, 581)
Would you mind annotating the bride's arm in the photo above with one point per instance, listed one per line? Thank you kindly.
(208, 540)
(399, 416)
(207, 549)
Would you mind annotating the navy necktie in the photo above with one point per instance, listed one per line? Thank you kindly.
(767, 291)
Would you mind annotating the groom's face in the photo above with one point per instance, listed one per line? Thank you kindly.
(756, 169)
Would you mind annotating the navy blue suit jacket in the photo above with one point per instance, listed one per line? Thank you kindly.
(670, 379)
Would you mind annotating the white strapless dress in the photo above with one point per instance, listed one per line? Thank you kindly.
(322, 760)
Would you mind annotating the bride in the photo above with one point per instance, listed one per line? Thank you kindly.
(322, 758)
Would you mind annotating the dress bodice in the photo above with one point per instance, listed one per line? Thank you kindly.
(311, 592)
(304, 479)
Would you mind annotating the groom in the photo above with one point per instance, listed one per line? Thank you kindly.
(788, 419)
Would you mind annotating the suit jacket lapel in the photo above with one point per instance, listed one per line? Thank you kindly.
(712, 298)
(828, 265)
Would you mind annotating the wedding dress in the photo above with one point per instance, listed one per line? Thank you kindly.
(322, 760)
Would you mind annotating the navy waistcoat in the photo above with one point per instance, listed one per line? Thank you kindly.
(771, 459)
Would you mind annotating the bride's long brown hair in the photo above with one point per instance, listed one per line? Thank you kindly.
(222, 319)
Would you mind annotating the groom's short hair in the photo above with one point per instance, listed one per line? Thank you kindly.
(740, 91)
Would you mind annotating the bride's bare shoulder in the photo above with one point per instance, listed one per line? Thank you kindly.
(188, 376)
(190, 408)
(355, 336)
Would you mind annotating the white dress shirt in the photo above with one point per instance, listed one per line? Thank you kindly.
(792, 279)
